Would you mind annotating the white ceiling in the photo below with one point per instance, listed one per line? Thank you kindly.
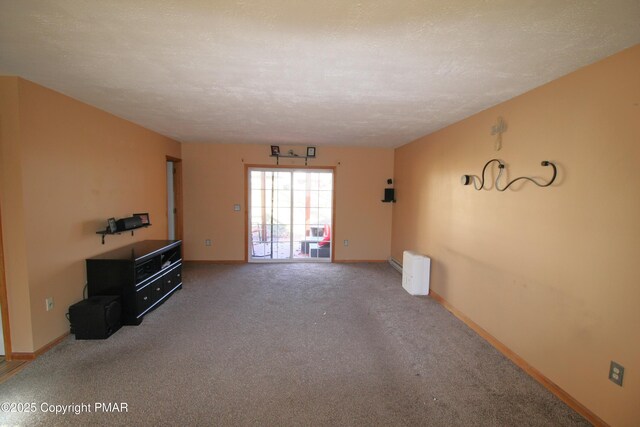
(363, 73)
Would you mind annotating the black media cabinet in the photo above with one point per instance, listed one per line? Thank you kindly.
(144, 274)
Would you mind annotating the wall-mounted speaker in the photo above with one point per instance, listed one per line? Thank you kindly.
(125, 224)
(389, 195)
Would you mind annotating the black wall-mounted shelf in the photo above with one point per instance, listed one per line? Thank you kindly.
(106, 232)
(291, 156)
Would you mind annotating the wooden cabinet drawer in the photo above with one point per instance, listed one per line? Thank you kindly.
(172, 279)
(157, 289)
(144, 298)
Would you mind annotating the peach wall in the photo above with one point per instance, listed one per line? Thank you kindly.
(79, 166)
(550, 272)
(214, 180)
(13, 230)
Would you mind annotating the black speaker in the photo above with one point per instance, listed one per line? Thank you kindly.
(130, 223)
(389, 195)
(96, 318)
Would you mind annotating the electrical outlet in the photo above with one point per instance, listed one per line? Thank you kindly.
(207, 242)
(616, 373)
(236, 208)
(49, 303)
(346, 243)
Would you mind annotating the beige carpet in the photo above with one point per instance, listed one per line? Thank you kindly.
(287, 344)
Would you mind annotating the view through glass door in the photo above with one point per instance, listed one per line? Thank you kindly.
(290, 214)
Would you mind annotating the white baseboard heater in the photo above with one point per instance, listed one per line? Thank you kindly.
(416, 269)
(396, 265)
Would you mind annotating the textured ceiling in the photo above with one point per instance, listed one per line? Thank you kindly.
(364, 73)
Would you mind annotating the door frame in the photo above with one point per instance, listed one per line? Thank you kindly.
(4, 302)
(177, 196)
(246, 202)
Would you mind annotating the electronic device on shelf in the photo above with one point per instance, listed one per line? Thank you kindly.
(130, 223)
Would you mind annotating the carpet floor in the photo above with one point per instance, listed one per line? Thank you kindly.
(285, 344)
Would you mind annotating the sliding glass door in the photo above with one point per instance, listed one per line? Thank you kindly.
(290, 214)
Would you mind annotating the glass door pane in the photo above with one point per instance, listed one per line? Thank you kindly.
(270, 214)
(290, 214)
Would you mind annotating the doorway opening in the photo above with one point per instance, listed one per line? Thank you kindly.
(290, 214)
(174, 198)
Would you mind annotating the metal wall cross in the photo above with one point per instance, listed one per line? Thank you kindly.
(498, 129)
